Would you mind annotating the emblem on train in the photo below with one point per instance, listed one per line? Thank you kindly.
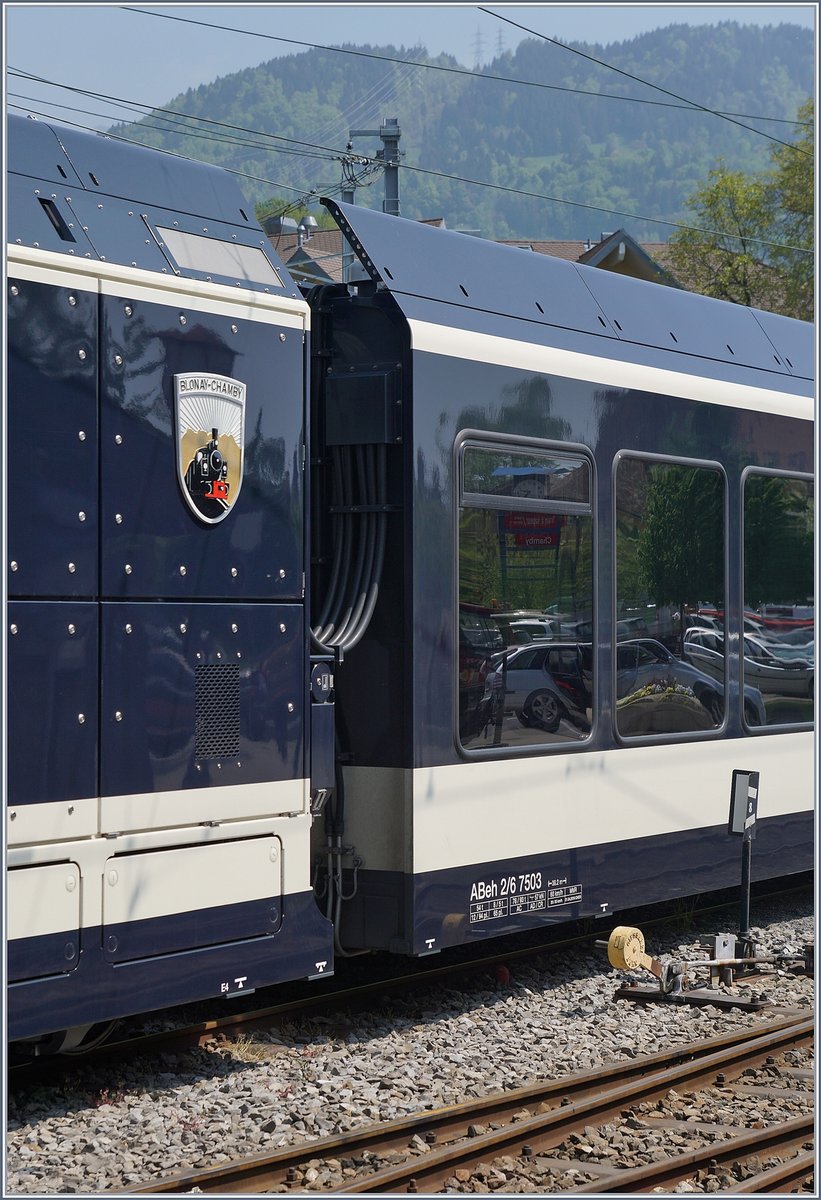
(210, 423)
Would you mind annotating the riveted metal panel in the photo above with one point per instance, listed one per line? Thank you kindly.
(171, 900)
(52, 431)
(33, 148)
(29, 203)
(43, 920)
(152, 543)
(198, 695)
(52, 710)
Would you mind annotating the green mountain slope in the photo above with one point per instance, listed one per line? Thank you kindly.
(600, 153)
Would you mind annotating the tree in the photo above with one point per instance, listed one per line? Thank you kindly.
(734, 215)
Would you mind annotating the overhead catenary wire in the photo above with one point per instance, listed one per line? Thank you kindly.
(694, 104)
(333, 189)
(686, 105)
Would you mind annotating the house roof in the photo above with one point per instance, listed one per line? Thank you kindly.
(320, 260)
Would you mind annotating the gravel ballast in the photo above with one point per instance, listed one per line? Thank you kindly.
(118, 1124)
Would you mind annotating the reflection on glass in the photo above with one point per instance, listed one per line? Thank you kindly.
(669, 569)
(525, 599)
(779, 645)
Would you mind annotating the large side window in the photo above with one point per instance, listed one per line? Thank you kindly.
(778, 663)
(669, 593)
(525, 565)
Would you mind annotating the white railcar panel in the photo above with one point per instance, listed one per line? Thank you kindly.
(167, 810)
(137, 887)
(56, 821)
(43, 900)
(483, 811)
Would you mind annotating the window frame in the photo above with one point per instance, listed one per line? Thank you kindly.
(504, 443)
(672, 460)
(746, 474)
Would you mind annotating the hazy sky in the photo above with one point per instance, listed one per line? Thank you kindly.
(149, 58)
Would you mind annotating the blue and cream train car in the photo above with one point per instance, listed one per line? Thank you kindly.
(267, 554)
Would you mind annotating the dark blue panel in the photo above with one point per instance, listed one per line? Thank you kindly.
(793, 341)
(51, 954)
(127, 940)
(199, 703)
(52, 710)
(100, 991)
(147, 526)
(33, 148)
(52, 452)
(28, 205)
(417, 260)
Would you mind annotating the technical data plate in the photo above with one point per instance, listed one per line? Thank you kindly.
(181, 899)
(52, 711)
(200, 695)
(43, 920)
(436, 264)
(52, 447)
(248, 543)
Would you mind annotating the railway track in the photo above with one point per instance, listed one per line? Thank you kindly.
(542, 1131)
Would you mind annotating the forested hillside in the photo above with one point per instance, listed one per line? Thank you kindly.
(569, 145)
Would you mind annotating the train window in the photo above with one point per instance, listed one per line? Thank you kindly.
(525, 562)
(669, 591)
(778, 662)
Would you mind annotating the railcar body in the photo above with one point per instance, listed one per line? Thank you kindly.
(260, 708)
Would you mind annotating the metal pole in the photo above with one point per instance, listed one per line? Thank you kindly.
(745, 937)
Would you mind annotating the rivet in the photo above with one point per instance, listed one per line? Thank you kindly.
(219, 766)
(71, 810)
(234, 572)
(128, 568)
(239, 764)
(99, 206)
(183, 320)
(72, 301)
(81, 354)
(234, 628)
(183, 628)
(118, 360)
(290, 706)
(72, 629)
(234, 329)
(199, 768)
(282, 337)
(281, 573)
(273, 854)
(70, 952)
(111, 944)
(239, 655)
(118, 716)
(81, 435)
(129, 628)
(118, 518)
(71, 568)
(71, 883)
(198, 654)
(219, 654)
(81, 718)
(118, 438)
(281, 628)
(128, 310)
(81, 516)
(13, 630)
(12, 816)
(183, 571)
(13, 565)
(14, 291)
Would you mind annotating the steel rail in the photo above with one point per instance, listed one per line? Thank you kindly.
(786, 1136)
(585, 1097)
(786, 1177)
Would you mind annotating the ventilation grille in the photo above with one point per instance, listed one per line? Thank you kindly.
(217, 696)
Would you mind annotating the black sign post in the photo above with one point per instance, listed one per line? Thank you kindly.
(743, 811)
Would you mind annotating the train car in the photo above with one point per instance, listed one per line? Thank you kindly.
(260, 709)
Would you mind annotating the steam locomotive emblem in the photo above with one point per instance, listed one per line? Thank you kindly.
(210, 424)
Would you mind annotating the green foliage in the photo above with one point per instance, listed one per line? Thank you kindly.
(736, 214)
(564, 144)
(680, 544)
(778, 541)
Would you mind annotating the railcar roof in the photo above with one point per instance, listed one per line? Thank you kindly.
(96, 197)
(455, 279)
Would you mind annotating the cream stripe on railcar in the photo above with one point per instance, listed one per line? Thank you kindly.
(609, 372)
(44, 266)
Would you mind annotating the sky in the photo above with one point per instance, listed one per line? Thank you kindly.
(127, 54)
